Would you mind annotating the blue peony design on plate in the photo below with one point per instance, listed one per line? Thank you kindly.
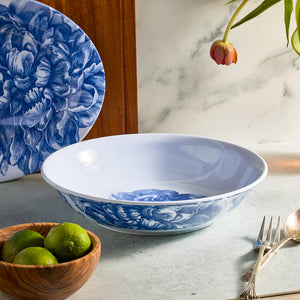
(52, 84)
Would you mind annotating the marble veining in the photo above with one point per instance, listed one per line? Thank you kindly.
(181, 90)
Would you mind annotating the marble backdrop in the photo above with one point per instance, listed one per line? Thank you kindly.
(181, 90)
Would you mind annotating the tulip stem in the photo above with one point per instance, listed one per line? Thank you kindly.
(232, 19)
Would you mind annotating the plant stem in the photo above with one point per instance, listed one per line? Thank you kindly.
(232, 19)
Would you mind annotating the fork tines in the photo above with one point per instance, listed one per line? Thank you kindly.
(269, 242)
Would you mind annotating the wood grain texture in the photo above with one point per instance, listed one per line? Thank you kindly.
(288, 295)
(110, 24)
(46, 282)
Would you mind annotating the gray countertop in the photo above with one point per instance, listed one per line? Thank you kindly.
(205, 264)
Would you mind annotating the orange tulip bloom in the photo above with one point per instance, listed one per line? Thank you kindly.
(223, 53)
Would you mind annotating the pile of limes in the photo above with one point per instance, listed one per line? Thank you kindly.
(64, 242)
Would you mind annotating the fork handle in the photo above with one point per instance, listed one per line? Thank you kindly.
(250, 290)
(266, 258)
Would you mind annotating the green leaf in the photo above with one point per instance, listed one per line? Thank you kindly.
(288, 9)
(297, 6)
(297, 11)
(257, 11)
(230, 2)
(295, 42)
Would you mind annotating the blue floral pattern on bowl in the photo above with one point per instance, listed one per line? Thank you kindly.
(52, 84)
(153, 195)
(157, 219)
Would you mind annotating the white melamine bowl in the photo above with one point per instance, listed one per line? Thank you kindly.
(153, 183)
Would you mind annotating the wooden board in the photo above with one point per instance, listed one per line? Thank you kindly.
(110, 24)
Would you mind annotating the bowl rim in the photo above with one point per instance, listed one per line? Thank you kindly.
(94, 239)
(264, 168)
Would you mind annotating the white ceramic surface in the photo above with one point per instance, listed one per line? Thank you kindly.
(153, 183)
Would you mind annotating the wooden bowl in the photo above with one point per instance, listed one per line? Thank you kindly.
(46, 282)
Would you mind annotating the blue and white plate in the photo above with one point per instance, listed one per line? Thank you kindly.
(52, 85)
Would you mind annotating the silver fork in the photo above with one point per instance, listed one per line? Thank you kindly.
(258, 245)
(250, 290)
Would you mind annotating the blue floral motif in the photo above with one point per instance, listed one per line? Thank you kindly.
(52, 84)
(153, 195)
(158, 218)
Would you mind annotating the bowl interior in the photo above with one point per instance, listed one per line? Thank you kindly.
(104, 167)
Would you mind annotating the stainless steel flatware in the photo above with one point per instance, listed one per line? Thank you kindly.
(276, 239)
(258, 245)
(291, 232)
(250, 290)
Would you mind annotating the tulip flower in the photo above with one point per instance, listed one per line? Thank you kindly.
(223, 53)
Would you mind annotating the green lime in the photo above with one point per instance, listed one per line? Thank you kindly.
(35, 256)
(67, 241)
(19, 241)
